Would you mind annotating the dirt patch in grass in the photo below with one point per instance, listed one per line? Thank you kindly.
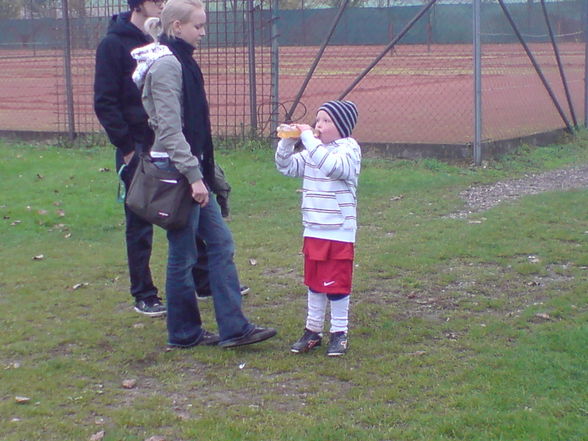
(483, 197)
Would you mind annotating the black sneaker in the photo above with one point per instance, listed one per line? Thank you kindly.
(337, 344)
(309, 340)
(150, 306)
(256, 335)
(207, 339)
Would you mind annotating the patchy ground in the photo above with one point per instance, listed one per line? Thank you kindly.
(499, 289)
(484, 197)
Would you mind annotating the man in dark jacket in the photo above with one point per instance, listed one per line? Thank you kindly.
(117, 103)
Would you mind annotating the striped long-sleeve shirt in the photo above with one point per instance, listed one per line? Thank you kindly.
(330, 176)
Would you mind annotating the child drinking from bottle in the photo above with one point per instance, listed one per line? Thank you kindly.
(329, 164)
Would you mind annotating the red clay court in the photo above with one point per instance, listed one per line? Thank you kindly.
(416, 94)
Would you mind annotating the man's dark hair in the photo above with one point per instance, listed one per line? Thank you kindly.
(134, 4)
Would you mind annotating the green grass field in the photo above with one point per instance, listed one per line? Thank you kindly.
(461, 329)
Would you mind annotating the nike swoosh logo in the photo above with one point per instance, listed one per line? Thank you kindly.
(328, 283)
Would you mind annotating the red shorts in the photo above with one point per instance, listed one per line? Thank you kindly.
(328, 265)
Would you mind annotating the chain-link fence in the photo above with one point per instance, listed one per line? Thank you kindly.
(420, 71)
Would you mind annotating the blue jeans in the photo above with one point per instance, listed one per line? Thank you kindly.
(184, 324)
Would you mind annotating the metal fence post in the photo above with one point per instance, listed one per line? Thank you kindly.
(275, 68)
(71, 129)
(477, 84)
(586, 64)
(252, 73)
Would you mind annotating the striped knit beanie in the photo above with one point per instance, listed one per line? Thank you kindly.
(344, 115)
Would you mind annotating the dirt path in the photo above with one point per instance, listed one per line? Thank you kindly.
(484, 197)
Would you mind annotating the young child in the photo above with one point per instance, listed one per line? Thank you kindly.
(329, 164)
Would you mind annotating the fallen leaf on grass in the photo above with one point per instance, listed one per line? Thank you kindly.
(67, 236)
(543, 316)
(129, 384)
(21, 399)
(60, 213)
(155, 438)
(252, 262)
(79, 285)
(16, 222)
(39, 257)
(39, 176)
(42, 212)
(104, 170)
(396, 198)
(98, 436)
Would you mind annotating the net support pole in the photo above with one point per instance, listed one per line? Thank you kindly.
(477, 83)
(562, 72)
(536, 66)
(317, 58)
(406, 28)
(71, 125)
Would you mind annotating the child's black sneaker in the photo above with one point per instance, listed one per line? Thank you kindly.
(150, 306)
(309, 340)
(337, 344)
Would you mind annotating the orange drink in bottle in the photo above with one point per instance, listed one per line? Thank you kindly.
(287, 131)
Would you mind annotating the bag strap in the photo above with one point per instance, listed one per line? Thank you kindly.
(121, 192)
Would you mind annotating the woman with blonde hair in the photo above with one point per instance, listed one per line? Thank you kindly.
(175, 100)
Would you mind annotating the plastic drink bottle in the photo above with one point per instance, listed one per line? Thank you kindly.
(287, 131)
